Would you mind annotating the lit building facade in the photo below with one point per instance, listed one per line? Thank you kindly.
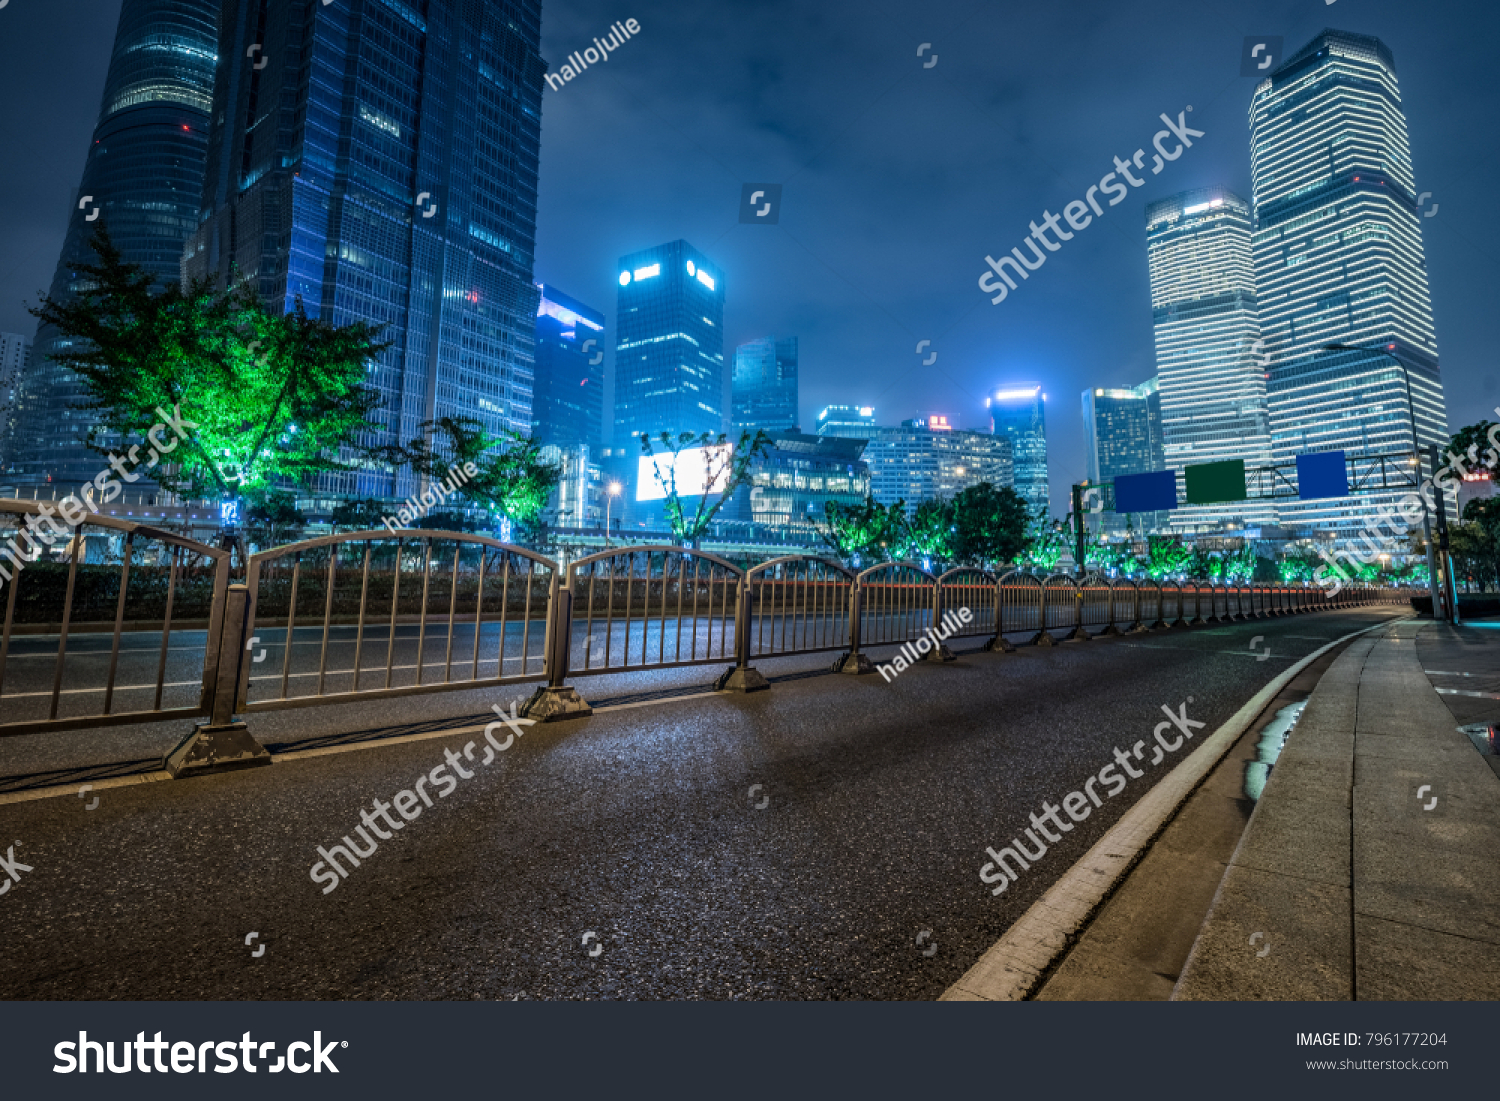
(926, 458)
(1339, 259)
(15, 357)
(793, 480)
(1122, 435)
(1018, 411)
(567, 404)
(143, 181)
(378, 162)
(764, 386)
(1208, 360)
(669, 351)
(851, 421)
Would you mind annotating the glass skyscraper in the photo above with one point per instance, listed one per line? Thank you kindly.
(853, 421)
(567, 407)
(669, 355)
(764, 386)
(143, 180)
(1122, 435)
(926, 458)
(378, 161)
(1019, 411)
(1208, 361)
(1339, 259)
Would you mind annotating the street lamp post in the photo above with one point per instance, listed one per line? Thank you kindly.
(1411, 410)
(614, 491)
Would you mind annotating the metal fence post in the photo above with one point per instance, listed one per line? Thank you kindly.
(999, 644)
(221, 744)
(854, 663)
(939, 650)
(742, 677)
(557, 700)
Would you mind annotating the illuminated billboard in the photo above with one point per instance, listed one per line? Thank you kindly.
(691, 470)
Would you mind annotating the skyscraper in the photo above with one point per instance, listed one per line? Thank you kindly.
(378, 161)
(1208, 359)
(567, 407)
(142, 179)
(764, 386)
(1019, 411)
(15, 357)
(1339, 259)
(1122, 435)
(669, 355)
(852, 421)
(926, 458)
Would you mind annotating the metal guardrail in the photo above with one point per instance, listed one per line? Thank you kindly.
(374, 614)
(158, 577)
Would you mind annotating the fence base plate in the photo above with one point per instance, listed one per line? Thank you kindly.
(212, 749)
(736, 679)
(550, 705)
(939, 653)
(1000, 645)
(1077, 634)
(1110, 631)
(853, 664)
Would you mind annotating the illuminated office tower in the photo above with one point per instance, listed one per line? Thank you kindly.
(764, 386)
(567, 407)
(1121, 436)
(1339, 259)
(669, 351)
(15, 357)
(927, 458)
(1208, 364)
(142, 179)
(1019, 411)
(851, 421)
(378, 162)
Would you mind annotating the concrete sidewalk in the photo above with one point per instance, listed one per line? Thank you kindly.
(1370, 868)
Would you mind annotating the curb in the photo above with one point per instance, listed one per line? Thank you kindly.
(1015, 965)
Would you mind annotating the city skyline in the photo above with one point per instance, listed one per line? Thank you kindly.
(979, 348)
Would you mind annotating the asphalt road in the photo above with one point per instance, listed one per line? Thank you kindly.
(788, 844)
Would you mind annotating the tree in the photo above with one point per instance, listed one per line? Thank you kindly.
(989, 525)
(1239, 566)
(272, 516)
(1479, 445)
(1475, 543)
(364, 514)
(1166, 557)
(268, 397)
(724, 467)
(928, 533)
(867, 529)
(1044, 543)
(510, 476)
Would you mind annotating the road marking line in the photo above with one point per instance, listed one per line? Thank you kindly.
(1014, 965)
(1462, 692)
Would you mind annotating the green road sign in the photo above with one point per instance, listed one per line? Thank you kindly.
(1209, 483)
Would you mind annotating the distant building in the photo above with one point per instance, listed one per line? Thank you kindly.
(15, 356)
(1339, 259)
(1210, 359)
(1122, 435)
(764, 386)
(567, 404)
(669, 351)
(143, 180)
(796, 476)
(1018, 411)
(378, 162)
(578, 500)
(851, 421)
(925, 458)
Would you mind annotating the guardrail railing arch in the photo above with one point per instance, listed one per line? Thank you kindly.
(1022, 607)
(972, 588)
(897, 602)
(112, 573)
(1096, 605)
(393, 613)
(796, 604)
(1061, 610)
(1125, 606)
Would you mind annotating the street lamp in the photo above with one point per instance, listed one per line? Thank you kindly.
(1411, 410)
(614, 491)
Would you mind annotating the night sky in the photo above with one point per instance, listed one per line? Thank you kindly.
(898, 178)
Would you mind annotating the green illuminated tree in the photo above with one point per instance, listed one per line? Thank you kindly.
(511, 478)
(1166, 557)
(867, 530)
(1045, 540)
(928, 531)
(266, 398)
(723, 466)
(272, 516)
